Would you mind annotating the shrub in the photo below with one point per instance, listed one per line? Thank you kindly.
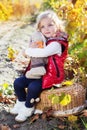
(74, 12)
(5, 10)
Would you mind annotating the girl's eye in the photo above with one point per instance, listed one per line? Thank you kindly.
(50, 25)
(42, 27)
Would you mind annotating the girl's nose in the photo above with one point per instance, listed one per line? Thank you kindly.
(46, 28)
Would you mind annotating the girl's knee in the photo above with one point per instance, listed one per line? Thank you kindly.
(30, 87)
(34, 88)
(16, 83)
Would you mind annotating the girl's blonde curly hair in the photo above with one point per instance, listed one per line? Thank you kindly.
(53, 16)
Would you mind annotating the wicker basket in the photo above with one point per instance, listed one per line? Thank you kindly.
(78, 94)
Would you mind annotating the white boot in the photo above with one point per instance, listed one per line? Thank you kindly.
(15, 110)
(24, 113)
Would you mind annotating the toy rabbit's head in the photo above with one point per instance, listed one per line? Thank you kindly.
(38, 38)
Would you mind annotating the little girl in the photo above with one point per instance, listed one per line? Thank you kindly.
(55, 51)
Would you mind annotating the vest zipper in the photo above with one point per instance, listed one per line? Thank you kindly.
(57, 69)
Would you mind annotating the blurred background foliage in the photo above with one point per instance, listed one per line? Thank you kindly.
(73, 12)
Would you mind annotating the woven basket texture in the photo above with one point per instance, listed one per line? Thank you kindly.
(77, 92)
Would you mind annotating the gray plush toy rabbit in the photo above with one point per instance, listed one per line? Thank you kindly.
(37, 66)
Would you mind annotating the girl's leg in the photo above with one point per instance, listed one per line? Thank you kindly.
(19, 86)
(33, 92)
(34, 89)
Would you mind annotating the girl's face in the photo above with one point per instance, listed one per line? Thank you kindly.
(48, 27)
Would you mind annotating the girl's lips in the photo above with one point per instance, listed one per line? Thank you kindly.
(47, 32)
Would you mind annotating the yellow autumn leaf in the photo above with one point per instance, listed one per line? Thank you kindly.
(1, 91)
(72, 118)
(66, 100)
(51, 96)
(68, 83)
(55, 99)
(37, 5)
(75, 71)
(11, 53)
(5, 85)
(11, 50)
(0, 94)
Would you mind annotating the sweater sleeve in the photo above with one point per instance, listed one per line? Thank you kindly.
(51, 49)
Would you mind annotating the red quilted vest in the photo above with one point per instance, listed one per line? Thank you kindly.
(55, 66)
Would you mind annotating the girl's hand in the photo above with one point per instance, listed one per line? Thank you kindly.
(22, 57)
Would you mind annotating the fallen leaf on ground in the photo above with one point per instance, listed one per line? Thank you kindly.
(7, 100)
(34, 118)
(48, 111)
(84, 113)
(72, 118)
(4, 127)
(16, 126)
(61, 127)
(43, 116)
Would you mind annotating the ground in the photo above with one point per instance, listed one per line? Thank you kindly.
(41, 124)
(16, 34)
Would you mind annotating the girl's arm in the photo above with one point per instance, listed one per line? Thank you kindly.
(51, 49)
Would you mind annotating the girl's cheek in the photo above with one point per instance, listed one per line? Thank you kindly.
(42, 31)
